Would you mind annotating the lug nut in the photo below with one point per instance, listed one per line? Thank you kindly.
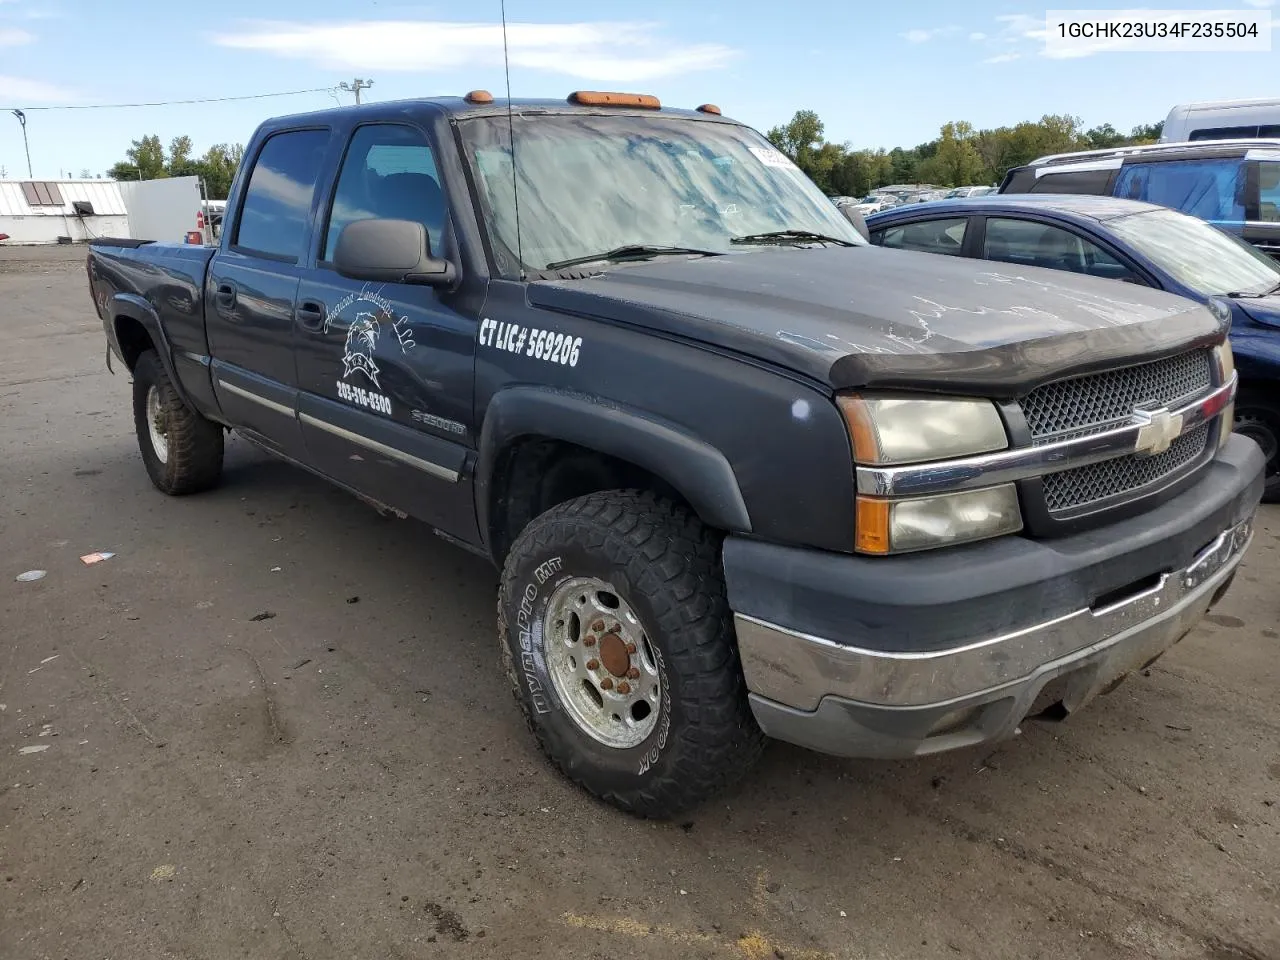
(633, 674)
(593, 664)
(631, 648)
(624, 687)
(588, 641)
(597, 626)
(606, 683)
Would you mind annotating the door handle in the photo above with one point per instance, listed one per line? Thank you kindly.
(225, 295)
(310, 314)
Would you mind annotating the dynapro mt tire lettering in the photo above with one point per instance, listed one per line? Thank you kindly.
(661, 567)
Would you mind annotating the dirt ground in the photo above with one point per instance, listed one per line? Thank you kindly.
(274, 726)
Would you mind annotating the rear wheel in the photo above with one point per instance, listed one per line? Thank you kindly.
(1258, 418)
(618, 642)
(181, 450)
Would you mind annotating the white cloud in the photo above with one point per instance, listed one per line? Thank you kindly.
(13, 37)
(1260, 4)
(924, 36)
(21, 91)
(1020, 26)
(1003, 58)
(976, 35)
(607, 51)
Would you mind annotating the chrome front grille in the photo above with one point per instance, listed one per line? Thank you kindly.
(1091, 404)
(1082, 406)
(1098, 482)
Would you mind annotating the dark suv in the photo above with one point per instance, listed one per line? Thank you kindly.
(1233, 184)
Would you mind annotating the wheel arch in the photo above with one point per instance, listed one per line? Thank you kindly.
(553, 423)
(136, 327)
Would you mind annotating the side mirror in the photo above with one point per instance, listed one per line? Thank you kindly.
(854, 217)
(390, 251)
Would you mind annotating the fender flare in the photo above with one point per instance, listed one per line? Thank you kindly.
(700, 472)
(138, 309)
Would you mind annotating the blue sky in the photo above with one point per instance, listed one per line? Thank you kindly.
(886, 78)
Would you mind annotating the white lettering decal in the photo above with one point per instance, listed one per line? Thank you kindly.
(546, 345)
(379, 403)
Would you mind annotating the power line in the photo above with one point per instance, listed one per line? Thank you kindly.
(171, 103)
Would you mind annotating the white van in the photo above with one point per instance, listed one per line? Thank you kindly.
(1222, 120)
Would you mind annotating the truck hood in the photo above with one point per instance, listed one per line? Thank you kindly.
(865, 316)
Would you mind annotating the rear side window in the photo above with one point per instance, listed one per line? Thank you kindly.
(927, 236)
(1269, 191)
(1019, 181)
(277, 202)
(1237, 133)
(1094, 183)
(1212, 190)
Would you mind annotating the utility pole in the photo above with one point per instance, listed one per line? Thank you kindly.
(22, 119)
(358, 84)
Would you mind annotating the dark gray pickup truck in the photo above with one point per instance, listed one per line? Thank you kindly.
(743, 473)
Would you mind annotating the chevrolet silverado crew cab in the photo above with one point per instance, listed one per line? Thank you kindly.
(743, 473)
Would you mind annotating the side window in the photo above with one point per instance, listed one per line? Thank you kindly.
(1019, 181)
(1209, 189)
(389, 172)
(1093, 183)
(277, 202)
(1269, 190)
(928, 236)
(1040, 245)
(1225, 133)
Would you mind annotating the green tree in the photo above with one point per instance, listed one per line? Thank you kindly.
(955, 160)
(1104, 136)
(146, 161)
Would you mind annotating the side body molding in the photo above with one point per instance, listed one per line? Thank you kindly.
(697, 470)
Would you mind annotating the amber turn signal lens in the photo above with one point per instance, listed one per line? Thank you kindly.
(873, 525)
(861, 430)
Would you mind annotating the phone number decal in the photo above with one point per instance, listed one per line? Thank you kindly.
(364, 398)
(545, 345)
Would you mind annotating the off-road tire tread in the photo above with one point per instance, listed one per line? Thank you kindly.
(675, 560)
(195, 443)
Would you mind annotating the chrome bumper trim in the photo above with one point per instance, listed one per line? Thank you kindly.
(798, 670)
(1024, 462)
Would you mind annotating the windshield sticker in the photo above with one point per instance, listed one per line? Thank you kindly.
(545, 345)
(772, 158)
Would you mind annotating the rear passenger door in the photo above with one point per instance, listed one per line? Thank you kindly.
(252, 283)
(386, 371)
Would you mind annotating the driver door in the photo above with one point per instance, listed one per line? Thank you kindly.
(385, 371)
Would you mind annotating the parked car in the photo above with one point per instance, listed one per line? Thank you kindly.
(1140, 243)
(1222, 120)
(743, 473)
(1233, 184)
(968, 192)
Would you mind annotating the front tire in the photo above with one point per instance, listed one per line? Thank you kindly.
(1258, 418)
(618, 641)
(181, 450)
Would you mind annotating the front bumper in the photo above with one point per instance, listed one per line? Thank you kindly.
(950, 649)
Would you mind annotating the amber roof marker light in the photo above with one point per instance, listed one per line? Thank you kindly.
(709, 108)
(479, 96)
(597, 98)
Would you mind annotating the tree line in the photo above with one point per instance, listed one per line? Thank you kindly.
(147, 159)
(959, 156)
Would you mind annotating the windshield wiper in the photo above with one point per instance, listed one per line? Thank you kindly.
(632, 251)
(791, 236)
(1255, 296)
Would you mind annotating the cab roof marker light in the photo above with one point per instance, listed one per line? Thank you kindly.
(709, 108)
(598, 98)
(479, 96)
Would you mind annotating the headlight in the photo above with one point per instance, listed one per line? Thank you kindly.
(1226, 369)
(900, 526)
(899, 430)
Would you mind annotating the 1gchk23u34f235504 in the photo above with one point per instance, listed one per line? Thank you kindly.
(744, 474)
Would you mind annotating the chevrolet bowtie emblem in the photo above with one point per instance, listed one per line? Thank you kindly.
(1156, 432)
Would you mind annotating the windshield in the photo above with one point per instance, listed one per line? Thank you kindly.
(590, 184)
(1197, 254)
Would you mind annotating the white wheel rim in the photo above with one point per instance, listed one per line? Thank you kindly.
(157, 427)
(601, 663)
